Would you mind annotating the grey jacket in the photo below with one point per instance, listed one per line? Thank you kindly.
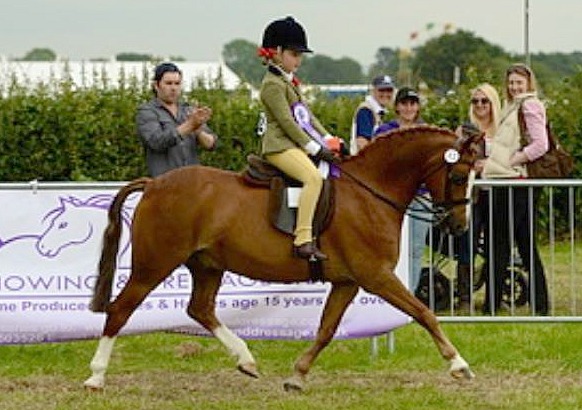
(165, 149)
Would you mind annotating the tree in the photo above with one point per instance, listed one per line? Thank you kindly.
(321, 69)
(40, 54)
(552, 68)
(435, 62)
(387, 62)
(133, 57)
(241, 57)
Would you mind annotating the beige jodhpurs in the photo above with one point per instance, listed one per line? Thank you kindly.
(295, 163)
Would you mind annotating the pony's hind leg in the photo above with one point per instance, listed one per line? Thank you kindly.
(202, 309)
(337, 302)
(134, 292)
(389, 288)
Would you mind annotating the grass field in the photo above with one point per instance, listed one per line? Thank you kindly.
(563, 281)
(517, 366)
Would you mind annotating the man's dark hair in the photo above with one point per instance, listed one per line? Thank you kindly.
(163, 68)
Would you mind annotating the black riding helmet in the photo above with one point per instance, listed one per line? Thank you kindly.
(286, 33)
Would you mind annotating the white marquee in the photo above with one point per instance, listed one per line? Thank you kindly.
(107, 74)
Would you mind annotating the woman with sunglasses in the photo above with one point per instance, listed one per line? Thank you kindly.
(507, 160)
(484, 112)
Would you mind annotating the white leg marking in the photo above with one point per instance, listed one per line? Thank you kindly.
(100, 362)
(234, 344)
(460, 368)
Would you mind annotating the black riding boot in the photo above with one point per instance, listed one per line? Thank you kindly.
(309, 251)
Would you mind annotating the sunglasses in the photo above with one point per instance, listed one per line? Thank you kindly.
(476, 101)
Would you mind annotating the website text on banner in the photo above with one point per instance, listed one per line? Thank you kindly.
(50, 239)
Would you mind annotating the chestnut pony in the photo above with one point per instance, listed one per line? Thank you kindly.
(209, 220)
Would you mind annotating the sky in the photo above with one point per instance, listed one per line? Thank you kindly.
(198, 29)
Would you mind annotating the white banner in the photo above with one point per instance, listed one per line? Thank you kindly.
(50, 239)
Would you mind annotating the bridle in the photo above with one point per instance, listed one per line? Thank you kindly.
(440, 211)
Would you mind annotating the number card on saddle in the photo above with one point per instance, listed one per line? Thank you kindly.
(282, 209)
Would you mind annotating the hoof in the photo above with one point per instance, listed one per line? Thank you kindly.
(94, 383)
(465, 373)
(293, 383)
(460, 369)
(250, 369)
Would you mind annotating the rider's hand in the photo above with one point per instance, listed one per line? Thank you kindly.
(328, 156)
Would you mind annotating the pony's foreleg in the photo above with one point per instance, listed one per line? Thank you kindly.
(202, 309)
(337, 302)
(389, 288)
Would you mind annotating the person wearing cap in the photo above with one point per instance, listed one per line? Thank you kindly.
(291, 133)
(171, 130)
(407, 110)
(369, 113)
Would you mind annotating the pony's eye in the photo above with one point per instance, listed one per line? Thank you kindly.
(63, 225)
(458, 179)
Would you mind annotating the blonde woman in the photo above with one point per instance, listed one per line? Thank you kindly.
(484, 109)
(507, 160)
(484, 113)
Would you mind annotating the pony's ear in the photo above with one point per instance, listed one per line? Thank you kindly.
(471, 133)
(469, 141)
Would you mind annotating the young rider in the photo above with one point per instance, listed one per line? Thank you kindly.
(292, 132)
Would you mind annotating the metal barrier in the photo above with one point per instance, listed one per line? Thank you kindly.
(558, 248)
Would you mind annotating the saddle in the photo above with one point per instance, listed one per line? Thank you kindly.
(259, 173)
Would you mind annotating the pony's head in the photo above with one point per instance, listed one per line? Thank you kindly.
(449, 178)
(397, 163)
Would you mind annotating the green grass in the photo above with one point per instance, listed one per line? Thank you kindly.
(517, 366)
(564, 285)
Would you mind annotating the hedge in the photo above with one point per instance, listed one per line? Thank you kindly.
(58, 133)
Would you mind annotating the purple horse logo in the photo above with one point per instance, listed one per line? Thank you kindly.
(70, 227)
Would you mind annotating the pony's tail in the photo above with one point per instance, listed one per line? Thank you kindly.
(108, 261)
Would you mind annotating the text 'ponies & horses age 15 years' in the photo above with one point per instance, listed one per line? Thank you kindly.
(202, 226)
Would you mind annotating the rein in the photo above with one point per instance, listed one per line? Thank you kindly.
(373, 191)
(440, 210)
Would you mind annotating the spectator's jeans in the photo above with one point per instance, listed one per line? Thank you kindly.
(417, 241)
